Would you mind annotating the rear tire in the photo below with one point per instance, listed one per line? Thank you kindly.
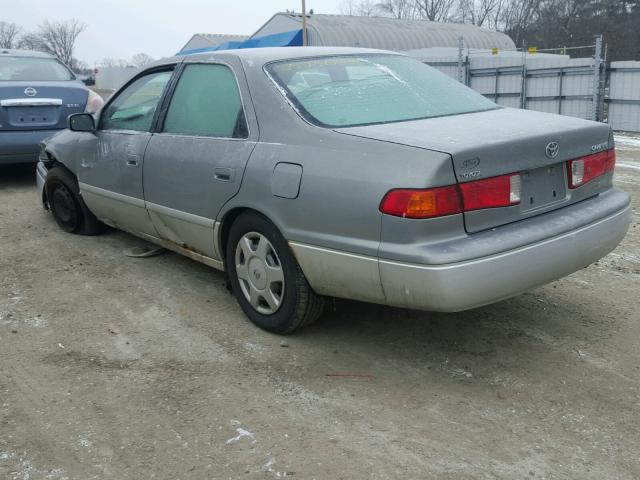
(67, 206)
(266, 278)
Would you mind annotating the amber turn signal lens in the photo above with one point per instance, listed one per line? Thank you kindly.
(422, 203)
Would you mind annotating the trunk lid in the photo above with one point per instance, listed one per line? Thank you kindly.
(504, 141)
(39, 105)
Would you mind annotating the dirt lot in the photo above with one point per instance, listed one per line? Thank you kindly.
(119, 368)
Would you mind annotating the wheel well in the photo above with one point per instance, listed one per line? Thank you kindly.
(55, 163)
(227, 221)
(49, 164)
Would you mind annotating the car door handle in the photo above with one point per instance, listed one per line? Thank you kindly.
(132, 162)
(223, 174)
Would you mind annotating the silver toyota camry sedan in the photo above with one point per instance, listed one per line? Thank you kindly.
(308, 173)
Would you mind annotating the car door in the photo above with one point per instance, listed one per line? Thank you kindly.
(111, 179)
(195, 161)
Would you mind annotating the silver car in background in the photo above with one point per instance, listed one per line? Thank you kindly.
(308, 173)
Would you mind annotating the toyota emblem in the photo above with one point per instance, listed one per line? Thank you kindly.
(30, 92)
(552, 150)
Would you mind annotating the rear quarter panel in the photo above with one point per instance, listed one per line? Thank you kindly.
(342, 185)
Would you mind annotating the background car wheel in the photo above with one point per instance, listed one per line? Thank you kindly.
(68, 209)
(266, 278)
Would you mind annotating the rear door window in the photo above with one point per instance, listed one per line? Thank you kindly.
(134, 107)
(206, 103)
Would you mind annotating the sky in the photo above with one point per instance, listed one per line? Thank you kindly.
(122, 28)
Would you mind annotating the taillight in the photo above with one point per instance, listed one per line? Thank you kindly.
(94, 102)
(585, 169)
(502, 191)
(423, 203)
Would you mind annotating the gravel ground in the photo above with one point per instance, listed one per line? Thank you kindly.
(120, 368)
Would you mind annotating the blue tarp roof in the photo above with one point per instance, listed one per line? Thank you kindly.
(286, 39)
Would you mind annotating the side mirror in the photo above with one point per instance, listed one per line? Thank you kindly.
(81, 122)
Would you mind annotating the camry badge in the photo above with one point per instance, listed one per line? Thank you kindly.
(552, 150)
(30, 92)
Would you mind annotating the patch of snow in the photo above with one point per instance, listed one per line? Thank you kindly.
(269, 467)
(627, 141)
(6, 456)
(253, 348)
(56, 474)
(630, 166)
(15, 298)
(384, 69)
(85, 443)
(24, 468)
(241, 434)
(455, 371)
(37, 322)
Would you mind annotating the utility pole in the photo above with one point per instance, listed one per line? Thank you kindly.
(597, 72)
(304, 24)
(461, 75)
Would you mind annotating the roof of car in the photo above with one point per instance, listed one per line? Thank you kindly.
(23, 53)
(265, 55)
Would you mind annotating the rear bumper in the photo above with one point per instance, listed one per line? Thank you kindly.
(471, 284)
(468, 283)
(22, 147)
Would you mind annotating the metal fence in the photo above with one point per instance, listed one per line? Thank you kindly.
(623, 100)
(552, 83)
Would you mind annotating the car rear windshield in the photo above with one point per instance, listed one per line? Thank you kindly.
(32, 69)
(346, 91)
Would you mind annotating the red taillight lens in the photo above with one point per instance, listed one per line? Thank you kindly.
(423, 203)
(493, 192)
(94, 102)
(585, 169)
(502, 191)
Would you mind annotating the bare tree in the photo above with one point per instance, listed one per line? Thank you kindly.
(403, 9)
(31, 41)
(141, 60)
(9, 33)
(114, 62)
(434, 10)
(80, 66)
(59, 38)
(359, 8)
(108, 62)
(478, 12)
(518, 18)
(543, 23)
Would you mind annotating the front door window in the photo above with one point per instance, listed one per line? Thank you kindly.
(135, 107)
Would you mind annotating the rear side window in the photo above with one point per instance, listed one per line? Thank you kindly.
(134, 107)
(206, 103)
(33, 69)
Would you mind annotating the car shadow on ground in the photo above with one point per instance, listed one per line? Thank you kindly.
(535, 330)
(21, 175)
